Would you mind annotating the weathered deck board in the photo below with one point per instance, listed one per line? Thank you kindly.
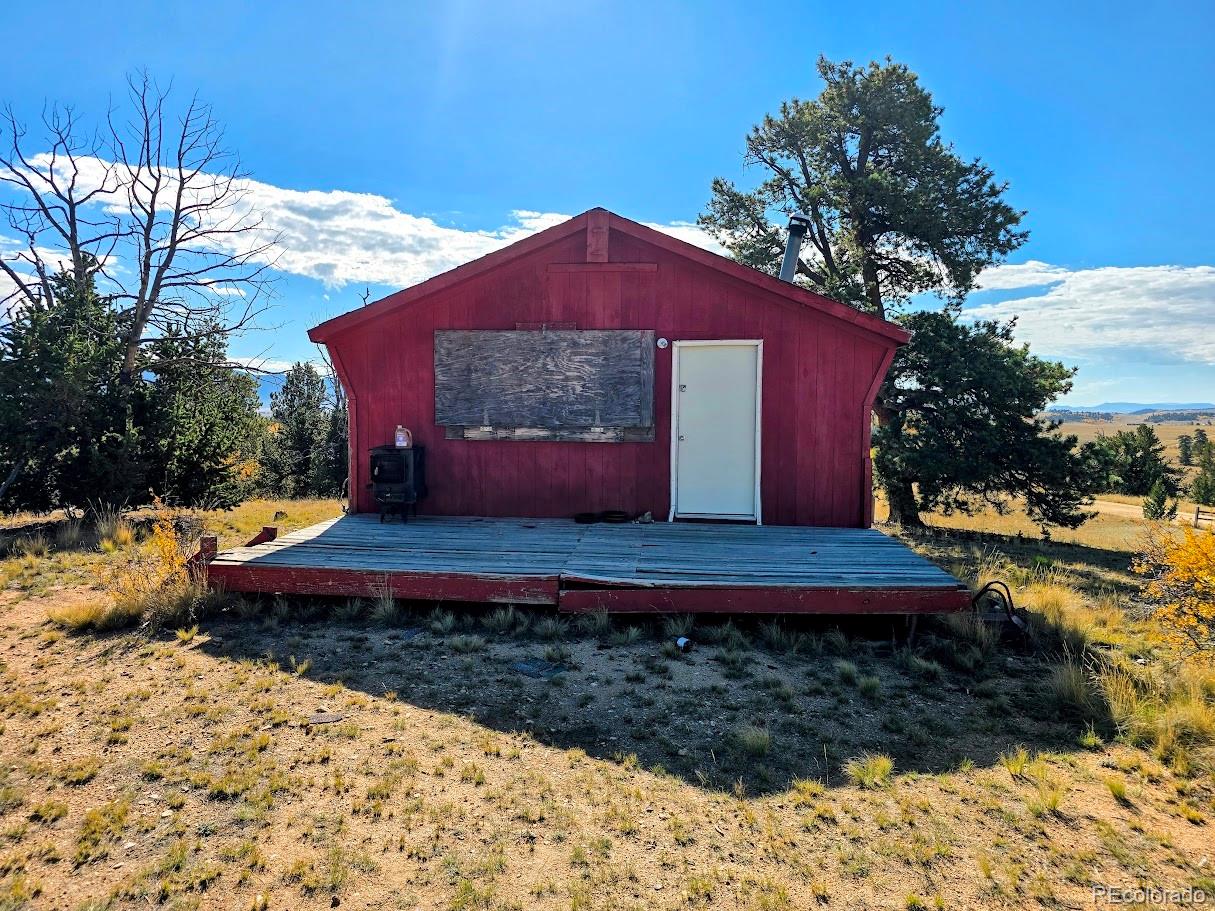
(630, 567)
(746, 556)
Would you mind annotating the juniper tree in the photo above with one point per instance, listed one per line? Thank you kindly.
(66, 439)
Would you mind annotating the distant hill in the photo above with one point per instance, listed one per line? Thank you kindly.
(1135, 407)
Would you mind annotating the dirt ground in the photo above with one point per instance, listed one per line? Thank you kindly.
(438, 775)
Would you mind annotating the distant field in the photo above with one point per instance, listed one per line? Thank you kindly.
(1121, 534)
(1168, 432)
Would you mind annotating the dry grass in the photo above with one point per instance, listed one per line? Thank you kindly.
(150, 583)
(238, 525)
(775, 765)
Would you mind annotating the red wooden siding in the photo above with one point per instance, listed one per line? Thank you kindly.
(819, 374)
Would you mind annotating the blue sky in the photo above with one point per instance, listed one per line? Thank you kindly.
(393, 140)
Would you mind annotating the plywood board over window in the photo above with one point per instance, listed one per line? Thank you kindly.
(588, 385)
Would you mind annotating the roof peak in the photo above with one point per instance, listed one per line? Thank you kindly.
(597, 222)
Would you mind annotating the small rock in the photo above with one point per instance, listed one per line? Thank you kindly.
(326, 718)
(165, 814)
(128, 846)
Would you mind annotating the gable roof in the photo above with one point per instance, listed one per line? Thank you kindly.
(885, 329)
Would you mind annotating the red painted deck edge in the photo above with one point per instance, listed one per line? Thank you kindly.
(368, 584)
(764, 600)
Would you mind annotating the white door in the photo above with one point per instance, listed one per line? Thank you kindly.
(716, 430)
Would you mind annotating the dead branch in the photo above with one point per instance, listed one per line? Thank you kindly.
(156, 209)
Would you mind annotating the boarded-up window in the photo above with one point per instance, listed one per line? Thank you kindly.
(585, 385)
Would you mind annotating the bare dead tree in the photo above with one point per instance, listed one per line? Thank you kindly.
(55, 203)
(155, 207)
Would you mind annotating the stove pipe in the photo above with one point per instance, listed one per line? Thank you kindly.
(799, 224)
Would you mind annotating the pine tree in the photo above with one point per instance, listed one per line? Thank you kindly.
(1157, 506)
(1135, 461)
(73, 434)
(965, 426)
(1202, 490)
(202, 430)
(331, 470)
(66, 436)
(1185, 449)
(294, 456)
(894, 213)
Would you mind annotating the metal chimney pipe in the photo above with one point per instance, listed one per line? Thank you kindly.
(799, 224)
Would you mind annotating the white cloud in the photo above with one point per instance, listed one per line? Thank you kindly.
(1020, 275)
(1161, 312)
(340, 237)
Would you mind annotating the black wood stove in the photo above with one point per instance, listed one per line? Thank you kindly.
(398, 479)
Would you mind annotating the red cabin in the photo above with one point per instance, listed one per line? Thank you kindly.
(603, 365)
(603, 370)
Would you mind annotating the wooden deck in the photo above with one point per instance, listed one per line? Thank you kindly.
(656, 567)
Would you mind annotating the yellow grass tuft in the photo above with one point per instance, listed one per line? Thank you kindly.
(1015, 760)
(33, 546)
(1069, 683)
(153, 583)
(114, 530)
(96, 614)
(869, 771)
